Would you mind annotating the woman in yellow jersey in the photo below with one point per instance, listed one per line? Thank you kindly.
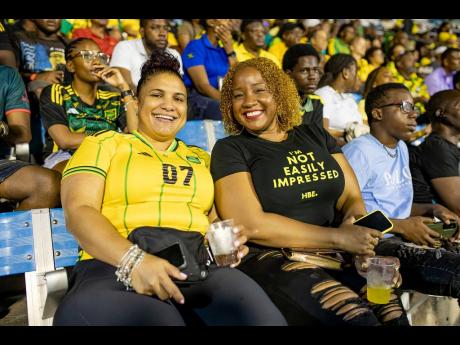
(116, 183)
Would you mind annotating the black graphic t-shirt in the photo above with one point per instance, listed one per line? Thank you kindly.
(297, 178)
(434, 158)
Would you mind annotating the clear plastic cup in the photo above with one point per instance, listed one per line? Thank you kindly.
(381, 272)
(221, 239)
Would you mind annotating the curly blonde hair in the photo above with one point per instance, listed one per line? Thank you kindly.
(280, 85)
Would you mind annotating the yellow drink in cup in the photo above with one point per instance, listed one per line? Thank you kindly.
(378, 295)
(381, 272)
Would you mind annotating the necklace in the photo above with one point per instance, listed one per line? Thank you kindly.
(392, 155)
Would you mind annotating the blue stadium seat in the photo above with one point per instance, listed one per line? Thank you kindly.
(16, 243)
(202, 133)
(64, 244)
(194, 133)
(219, 130)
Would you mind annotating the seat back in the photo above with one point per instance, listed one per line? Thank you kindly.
(194, 133)
(16, 243)
(65, 247)
(202, 133)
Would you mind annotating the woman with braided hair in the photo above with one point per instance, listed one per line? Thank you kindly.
(96, 98)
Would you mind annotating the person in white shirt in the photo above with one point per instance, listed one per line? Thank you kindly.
(129, 56)
(340, 108)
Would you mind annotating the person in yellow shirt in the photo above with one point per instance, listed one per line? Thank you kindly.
(289, 34)
(446, 36)
(358, 50)
(341, 43)
(403, 69)
(375, 58)
(253, 35)
(116, 183)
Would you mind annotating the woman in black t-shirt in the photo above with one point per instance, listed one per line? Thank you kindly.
(288, 185)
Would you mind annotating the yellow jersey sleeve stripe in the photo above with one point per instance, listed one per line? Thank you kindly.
(126, 188)
(82, 170)
(78, 169)
(316, 97)
(108, 93)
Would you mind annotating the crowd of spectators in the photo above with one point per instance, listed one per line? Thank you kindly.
(381, 98)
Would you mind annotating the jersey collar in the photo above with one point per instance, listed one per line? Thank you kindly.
(171, 147)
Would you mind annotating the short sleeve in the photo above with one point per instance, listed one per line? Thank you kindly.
(439, 160)
(358, 162)
(93, 156)
(120, 56)
(51, 109)
(322, 93)
(16, 96)
(227, 158)
(317, 114)
(176, 54)
(193, 54)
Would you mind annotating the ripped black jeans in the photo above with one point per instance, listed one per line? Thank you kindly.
(426, 270)
(309, 295)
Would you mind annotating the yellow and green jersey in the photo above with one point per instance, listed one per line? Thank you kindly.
(415, 84)
(144, 186)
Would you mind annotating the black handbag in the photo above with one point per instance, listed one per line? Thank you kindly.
(155, 240)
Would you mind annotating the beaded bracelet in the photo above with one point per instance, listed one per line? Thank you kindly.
(128, 262)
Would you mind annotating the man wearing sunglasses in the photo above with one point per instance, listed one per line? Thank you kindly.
(129, 56)
(380, 161)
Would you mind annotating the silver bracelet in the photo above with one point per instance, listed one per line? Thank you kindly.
(126, 104)
(128, 262)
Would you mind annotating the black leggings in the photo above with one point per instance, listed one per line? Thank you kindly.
(309, 295)
(226, 297)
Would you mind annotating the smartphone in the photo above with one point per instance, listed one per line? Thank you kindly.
(174, 254)
(375, 220)
(443, 229)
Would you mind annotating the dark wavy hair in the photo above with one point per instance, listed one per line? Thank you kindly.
(159, 62)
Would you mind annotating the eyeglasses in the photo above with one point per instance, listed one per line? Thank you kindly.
(89, 56)
(405, 106)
